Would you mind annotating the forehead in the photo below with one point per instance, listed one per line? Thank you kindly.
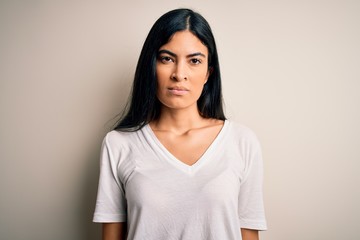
(185, 42)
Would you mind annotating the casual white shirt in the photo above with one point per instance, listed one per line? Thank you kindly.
(162, 198)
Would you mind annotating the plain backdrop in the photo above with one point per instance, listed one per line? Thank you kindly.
(290, 71)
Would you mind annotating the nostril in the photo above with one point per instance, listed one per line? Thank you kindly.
(178, 77)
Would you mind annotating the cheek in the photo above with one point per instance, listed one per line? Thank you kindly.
(161, 75)
(201, 78)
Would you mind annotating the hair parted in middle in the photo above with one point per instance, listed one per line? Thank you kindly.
(143, 105)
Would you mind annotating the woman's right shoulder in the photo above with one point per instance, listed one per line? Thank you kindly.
(116, 137)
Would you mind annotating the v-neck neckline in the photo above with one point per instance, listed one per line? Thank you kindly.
(177, 162)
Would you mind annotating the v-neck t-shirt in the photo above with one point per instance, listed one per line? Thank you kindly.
(162, 198)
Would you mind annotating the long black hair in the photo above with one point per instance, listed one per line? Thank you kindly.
(143, 105)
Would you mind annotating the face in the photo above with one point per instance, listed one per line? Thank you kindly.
(182, 71)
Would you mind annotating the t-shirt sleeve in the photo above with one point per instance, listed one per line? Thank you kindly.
(110, 202)
(251, 206)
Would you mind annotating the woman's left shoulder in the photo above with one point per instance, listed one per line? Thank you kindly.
(241, 131)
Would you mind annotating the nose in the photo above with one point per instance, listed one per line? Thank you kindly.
(179, 73)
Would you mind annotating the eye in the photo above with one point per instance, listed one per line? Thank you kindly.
(166, 59)
(195, 61)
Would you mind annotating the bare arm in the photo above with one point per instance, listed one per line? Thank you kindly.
(114, 231)
(249, 234)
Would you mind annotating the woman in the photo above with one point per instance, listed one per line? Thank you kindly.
(174, 167)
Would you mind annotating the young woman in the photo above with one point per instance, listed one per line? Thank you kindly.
(174, 168)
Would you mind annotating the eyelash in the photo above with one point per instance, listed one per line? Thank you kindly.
(166, 59)
(198, 61)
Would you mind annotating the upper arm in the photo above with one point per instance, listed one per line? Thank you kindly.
(249, 234)
(110, 203)
(250, 206)
(114, 231)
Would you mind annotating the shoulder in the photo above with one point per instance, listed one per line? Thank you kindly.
(120, 139)
(241, 131)
(121, 146)
(116, 135)
(242, 137)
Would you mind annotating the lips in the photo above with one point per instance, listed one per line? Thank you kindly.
(178, 90)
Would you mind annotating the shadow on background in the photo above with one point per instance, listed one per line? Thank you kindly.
(90, 230)
(118, 98)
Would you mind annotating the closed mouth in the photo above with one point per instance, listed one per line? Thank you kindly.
(178, 88)
(178, 91)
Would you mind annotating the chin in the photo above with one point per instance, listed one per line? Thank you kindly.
(178, 105)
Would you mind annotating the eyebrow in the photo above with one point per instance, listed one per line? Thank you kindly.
(174, 55)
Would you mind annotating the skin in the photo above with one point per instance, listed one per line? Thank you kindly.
(249, 234)
(114, 231)
(182, 64)
(182, 70)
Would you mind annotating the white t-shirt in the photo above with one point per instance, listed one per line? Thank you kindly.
(162, 198)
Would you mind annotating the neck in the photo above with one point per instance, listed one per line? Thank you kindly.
(178, 120)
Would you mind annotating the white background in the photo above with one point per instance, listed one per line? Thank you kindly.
(290, 72)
